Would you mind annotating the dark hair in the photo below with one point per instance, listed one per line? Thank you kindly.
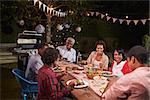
(101, 42)
(140, 53)
(40, 45)
(120, 51)
(50, 55)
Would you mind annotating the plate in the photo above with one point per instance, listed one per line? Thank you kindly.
(106, 74)
(76, 71)
(80, 68)
(78, 86)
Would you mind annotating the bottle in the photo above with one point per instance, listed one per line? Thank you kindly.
(79, 57)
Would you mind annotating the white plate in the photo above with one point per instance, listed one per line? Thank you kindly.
(78, 86)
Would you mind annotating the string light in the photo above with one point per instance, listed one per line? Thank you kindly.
(126, 16)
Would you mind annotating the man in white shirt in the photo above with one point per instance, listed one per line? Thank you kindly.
(66, 51)
(35, 63)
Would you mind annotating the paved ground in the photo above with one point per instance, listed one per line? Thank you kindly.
(9, 88)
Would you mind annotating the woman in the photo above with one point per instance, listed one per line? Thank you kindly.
(48, 84)
(98, 58)
(119, 66)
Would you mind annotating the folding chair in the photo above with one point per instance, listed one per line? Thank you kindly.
(27, 87)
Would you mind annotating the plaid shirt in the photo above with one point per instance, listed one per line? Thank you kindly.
(49, 86)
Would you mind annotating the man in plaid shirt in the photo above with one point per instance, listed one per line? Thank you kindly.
(48, 85)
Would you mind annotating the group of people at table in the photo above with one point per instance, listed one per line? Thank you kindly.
(133, 72)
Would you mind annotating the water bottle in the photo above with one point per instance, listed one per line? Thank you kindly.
(79, 57)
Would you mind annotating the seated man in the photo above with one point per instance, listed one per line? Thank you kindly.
(35, 63)
(66, 51)
(49, 87)
(134, 85)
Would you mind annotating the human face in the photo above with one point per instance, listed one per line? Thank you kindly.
(133, 63)
(41, 50)
(69, 45)
(99, 49)
(117, 57)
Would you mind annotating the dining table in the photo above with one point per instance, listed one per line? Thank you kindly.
(91, 92)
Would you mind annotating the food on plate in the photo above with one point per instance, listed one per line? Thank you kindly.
(80, 82)
(72, 83)
(75, 82)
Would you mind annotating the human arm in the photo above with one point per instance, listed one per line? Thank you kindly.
(105, 63)
(118, 90)
(89, 60)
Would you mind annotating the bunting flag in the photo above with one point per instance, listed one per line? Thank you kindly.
(114, 20)
(102, 16)
(50, 10)
(35, 1)
(92, 13)
(135, 21)
(143, 21)
(97, 13)
(40, 3)
(128, 21)
(120, 20)
(107, 18)
(44, 7)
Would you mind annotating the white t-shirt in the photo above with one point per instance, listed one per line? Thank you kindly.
(116, 68)
(70, 55)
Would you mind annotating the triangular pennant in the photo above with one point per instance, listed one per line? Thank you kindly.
(114, 20)
(102, 16)
(51, 10)
(128, 21)
(143, 21)
(60, 14)
(135, 21)
(121, 21)
(53, 14)
(47, 9)
(65, 14)
(56, 13)
(40, 3)
(35, 1)
(44, 7)
(97, 13)
(108, 18)
(92, 13)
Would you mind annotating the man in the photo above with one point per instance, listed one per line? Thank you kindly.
(49, 87)
(66, 51)
(135, 85)
(35, 63)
